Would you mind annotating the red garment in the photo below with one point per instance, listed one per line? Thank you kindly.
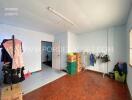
(17, 59)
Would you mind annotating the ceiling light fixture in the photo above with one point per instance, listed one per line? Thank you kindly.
(60, 15)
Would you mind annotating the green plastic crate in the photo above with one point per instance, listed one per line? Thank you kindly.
(72, 68)
(120, 78)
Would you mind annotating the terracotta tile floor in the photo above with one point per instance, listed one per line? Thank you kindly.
(83, 86)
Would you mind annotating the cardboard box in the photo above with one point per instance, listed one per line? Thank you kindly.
(79, 68)
(71, 58)
(11, 94)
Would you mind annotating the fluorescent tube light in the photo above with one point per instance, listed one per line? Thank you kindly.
(60, 15)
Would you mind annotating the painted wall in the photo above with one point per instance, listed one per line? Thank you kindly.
(96, 42)
(72, 42)
(68, 42)
(31, 44)
(129, 77)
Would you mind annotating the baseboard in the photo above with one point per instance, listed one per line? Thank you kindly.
(64, 70)
(101, 73)
(36, 71)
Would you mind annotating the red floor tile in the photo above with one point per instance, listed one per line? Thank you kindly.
(83, 86)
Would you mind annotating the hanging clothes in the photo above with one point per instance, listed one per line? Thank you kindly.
(17, 57)
(5, 57)
(13, 68)
(92, 59)
(83, 58)
(12, 76)
(105, 59)
(121, 68)
(88, 59)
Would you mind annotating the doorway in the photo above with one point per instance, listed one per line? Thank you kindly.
(46, 54)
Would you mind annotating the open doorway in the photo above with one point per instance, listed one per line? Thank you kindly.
(46, 54)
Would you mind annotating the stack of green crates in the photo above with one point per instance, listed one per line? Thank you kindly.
(72, 67)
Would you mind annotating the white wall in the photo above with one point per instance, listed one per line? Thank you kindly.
(68, 42)
(31, 44)
(72, 42)
(96, 42)
(129, 77)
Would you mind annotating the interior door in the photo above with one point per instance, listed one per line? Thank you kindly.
(56, 58)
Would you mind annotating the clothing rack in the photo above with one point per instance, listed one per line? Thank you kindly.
(101, 54)
(13, 73)
(13, 40)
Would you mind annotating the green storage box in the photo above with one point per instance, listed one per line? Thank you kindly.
(72, 68)
(120, 78)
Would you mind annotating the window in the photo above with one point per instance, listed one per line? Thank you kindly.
(131, 48)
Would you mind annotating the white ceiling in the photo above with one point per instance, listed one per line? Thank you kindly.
(88, 15)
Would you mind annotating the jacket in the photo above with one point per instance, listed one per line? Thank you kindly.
(17, 57)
